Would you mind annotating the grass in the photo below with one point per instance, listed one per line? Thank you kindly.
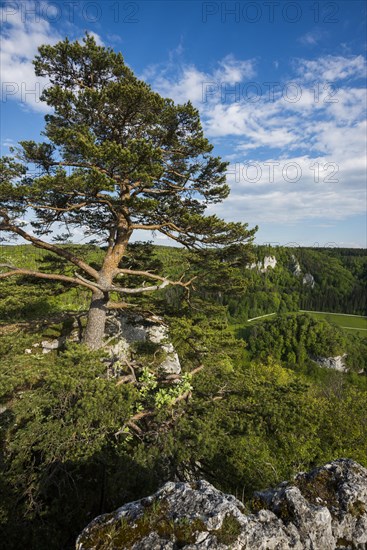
(351, 324)
(356, 324)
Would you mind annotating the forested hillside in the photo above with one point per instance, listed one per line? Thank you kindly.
(339, 282)
(257, 410)
(125, 365)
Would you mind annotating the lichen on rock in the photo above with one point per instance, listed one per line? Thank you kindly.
(134, 330)
(325, 509)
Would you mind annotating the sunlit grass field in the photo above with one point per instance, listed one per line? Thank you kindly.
(353, 324)
(356, 324)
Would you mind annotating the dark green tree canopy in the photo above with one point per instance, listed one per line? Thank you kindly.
(117, 157)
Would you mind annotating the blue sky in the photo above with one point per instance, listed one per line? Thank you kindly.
(281, 88)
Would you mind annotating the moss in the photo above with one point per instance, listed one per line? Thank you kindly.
(99, 535)
(149, 351)
(344, 543)
(146, 347)
(53, 331)
(125, 533)
(284, 513)
(321, 486)
(256, 504)
(230, 530)
(357, 508)
(186, 529)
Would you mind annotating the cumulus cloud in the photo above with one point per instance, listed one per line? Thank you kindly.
(313, 123)
(21, 36)
(295, 188)
(185, 82)
(26, 26)
(331, 68)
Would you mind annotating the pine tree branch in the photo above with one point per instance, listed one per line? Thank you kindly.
(120, 305)
(38, 243)
(15, 271)
(140, 290)
(156, 227)
(57, 209)
(85, 165)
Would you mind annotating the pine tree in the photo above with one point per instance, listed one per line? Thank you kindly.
(117, 158)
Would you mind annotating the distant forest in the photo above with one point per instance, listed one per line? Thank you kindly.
(340, 276)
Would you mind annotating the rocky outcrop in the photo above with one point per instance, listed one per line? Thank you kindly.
(124, 333)
(134, 329)
(308, 280)
(269, 261)
(295, 267)
(325, 509)
(336, 363)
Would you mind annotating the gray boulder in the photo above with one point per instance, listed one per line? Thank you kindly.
(325, 509)
(132, 329)
(308, 280)
(335, 363)
(295, 267)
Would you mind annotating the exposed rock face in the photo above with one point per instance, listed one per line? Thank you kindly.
(336, 363)
(295, 267)
(269, 261)
(308, 280)
(325, 509)
(134, 328)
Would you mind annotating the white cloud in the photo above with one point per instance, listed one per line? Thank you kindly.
(97, 38)
(232, 70)
(332, 68)
(185, 82)
(7, 142)
(21, 36)
(305, 121)
(313, 37)
(317, 192)
(20, 39)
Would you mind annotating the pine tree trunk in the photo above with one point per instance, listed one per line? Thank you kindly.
(96, 322)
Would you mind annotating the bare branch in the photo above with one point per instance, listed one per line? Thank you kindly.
(125, 379)
(38, 243)
(144, 414)
(141, 273)
(140, 290)
(120, 305)
(56, 209)
(82, 280)
(15, 271)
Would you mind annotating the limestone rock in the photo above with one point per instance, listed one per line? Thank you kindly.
(50, 345)
(325, 509)
(135, 328)
(336, 363)
(295, 267)
(308, 280)
(269, 261)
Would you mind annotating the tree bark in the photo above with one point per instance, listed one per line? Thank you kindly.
(96, 322)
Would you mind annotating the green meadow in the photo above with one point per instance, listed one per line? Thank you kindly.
(350, 323)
